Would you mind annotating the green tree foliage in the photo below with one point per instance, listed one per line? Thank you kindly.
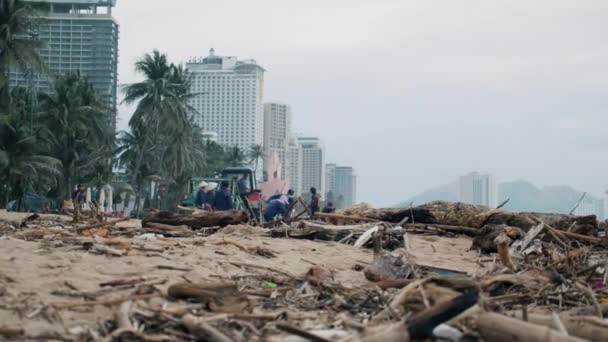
(25, 164)
(19, 46)
(255, 153)
(81, 131)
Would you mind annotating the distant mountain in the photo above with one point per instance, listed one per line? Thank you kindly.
(448, 192)
(524, 196)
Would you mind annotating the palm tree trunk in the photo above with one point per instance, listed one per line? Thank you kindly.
(134, 179)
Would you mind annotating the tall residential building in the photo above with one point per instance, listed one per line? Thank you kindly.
(277, 131)
(313, 164)
(342, 182)
(79, 36)
(330, 171)
(230, 98)
(478, 189)
(293, 165)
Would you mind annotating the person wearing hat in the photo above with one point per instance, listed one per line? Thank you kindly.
(205, 195)
(223, 197)
(276, 207)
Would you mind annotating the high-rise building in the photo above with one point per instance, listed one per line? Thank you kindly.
(78, 36)
(313, 164)
(479, 189)
(341, 181)
(230, 98)
(277, 131)
(293, 165)
(330, 171)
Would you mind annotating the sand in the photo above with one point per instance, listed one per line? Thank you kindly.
(31, 270)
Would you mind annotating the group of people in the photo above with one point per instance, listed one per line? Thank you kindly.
(209, 197)
(279, 204)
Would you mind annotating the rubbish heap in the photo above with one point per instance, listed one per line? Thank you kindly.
(440, 271)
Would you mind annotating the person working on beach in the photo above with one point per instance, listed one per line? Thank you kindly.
(329, 208)
(314, 201)
(223, 197)
(205, 195)
(290, 197)
(275, 208)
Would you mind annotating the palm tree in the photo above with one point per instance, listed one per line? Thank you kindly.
(162, 102)
(81, 130)
(19, 46)
(235, 156)
(24, 164)
(255, 153)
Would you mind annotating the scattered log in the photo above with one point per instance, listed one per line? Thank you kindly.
(451, 229)
(485, 237)
(346, 217)
(495, 327)
(21, 222)
(473, 216)
(219, 297)
(502, 244)
(101, 224)
(590, 328)
(198, 221)
(203, 331)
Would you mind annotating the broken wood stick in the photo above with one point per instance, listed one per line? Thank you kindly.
(102, 224)
(502, 242)
(587, 327)
(495, 327)
(451, 229)
(299, 332)
(203, 330)
(346, 217)
(301, 200)
(64, 305)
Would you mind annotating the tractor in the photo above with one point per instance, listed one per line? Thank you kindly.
(243, 185)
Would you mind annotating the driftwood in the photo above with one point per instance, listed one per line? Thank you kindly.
(199, 220)
(20, 223)
(203, 331)
(421, 325)
(495, 327)
(473, 216)
(219, 297)
(590, 328)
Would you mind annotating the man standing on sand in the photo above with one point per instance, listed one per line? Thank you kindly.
(223, 197)
(314, 201)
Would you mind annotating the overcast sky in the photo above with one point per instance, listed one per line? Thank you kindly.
(413, 93)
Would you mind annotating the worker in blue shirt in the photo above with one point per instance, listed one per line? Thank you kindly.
(276, 207)
(205, 195)
(223, 197)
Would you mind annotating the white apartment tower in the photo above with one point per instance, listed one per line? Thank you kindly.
(313, 164)
(277, 131)
(478, 189)
(230, 98)
(293, 165)
(342, 182)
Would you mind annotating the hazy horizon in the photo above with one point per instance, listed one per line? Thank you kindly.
(413, 94)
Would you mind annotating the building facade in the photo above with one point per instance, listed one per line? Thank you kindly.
(330, 172)
(293, 165)
(313, 164)
(341, 181)
(478, 189)
(78, 36)
(229, 98)
(277, 131)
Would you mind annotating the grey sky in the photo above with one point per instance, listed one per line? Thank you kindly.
(413, 93)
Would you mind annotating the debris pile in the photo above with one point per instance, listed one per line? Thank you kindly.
(445, 271)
